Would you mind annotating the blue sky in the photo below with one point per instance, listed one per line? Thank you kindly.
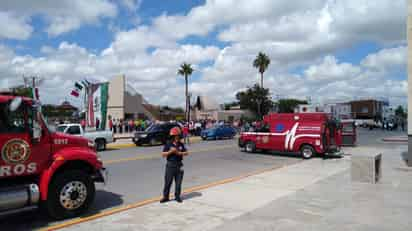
(316, 48)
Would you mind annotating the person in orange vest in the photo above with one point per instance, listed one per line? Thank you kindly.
(174, 151)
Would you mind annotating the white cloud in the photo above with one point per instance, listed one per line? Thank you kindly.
(386, 59)
(331, 71)
(132, 5)
(61, 16)
(304, 34)
(151, 73)
(14, 27)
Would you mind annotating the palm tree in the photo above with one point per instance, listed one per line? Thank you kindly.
(261, 62)
(186, 70)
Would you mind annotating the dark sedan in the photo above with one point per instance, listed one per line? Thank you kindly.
(154, 135)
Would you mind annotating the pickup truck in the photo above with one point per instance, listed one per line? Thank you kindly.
(100, 138)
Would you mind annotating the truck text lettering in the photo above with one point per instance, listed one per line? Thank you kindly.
(18, 169)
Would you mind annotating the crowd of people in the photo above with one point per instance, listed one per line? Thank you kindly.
(128, 125)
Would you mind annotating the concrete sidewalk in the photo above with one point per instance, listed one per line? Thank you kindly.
(401, 139)
(312, 195)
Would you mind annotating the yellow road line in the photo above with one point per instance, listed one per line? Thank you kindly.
(156, 199)
(119, 146)
(131, 145)
(157, 155)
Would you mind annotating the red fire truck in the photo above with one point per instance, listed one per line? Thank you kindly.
(41, 167)
(304, 133)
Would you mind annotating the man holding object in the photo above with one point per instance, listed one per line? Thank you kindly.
(174, 152)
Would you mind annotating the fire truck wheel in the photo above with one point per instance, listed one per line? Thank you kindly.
(250, 147)
(70, 194)
(307, 151)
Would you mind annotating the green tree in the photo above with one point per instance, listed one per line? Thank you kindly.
(261, 62)
(186, 70)
(255, 99)
(400, 112)
(23, 91)
(289, 105)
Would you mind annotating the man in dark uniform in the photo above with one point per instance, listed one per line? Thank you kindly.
(174, 152)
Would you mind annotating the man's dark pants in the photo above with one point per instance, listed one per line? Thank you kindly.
(173, 171)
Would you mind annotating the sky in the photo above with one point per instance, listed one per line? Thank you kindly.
(328, 50)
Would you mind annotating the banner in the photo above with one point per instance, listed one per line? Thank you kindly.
(97, 105)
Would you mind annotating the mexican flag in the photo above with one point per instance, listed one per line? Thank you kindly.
(34, 93)
(97, 105)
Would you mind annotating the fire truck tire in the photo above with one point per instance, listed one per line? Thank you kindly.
(100, 144)
(307, 151)
(250, 147)
(70, 194)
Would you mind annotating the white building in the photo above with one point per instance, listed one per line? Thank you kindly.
(206, 108)
(124, 101)
(337, 110)
(388, 113)
(308, 108)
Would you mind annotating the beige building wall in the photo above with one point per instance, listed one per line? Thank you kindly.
(409, 32)
(115, 104)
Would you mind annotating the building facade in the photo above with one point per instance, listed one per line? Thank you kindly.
(124, 101)
(207, 108)
(367, 109)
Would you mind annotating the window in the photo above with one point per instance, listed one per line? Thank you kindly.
(74, 130)
(61, 128)
(12, 122)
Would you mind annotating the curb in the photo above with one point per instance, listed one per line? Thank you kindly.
(395, 140)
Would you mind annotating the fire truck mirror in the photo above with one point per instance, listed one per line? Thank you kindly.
(15, 104)
(37, 131)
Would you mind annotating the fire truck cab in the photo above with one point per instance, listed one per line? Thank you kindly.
(305, 133)
(42, 167)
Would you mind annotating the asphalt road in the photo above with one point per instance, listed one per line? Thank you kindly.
(136, 174)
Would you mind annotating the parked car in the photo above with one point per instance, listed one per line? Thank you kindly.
(218, 132)
(154, 134)
(100, 138)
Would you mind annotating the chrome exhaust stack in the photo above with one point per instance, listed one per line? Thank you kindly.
(19, 197)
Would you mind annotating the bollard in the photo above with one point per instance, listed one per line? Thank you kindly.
(366, 168)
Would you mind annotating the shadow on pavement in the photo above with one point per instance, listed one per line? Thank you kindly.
(36, 219)
(282, 154)
(191, 195)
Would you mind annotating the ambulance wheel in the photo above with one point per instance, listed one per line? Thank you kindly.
(307, 151)
(70, 194)
(250, 147)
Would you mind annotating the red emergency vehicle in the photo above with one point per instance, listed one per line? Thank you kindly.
(304, 133)
(39, 166)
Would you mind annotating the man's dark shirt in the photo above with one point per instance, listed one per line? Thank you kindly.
(173, 157)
